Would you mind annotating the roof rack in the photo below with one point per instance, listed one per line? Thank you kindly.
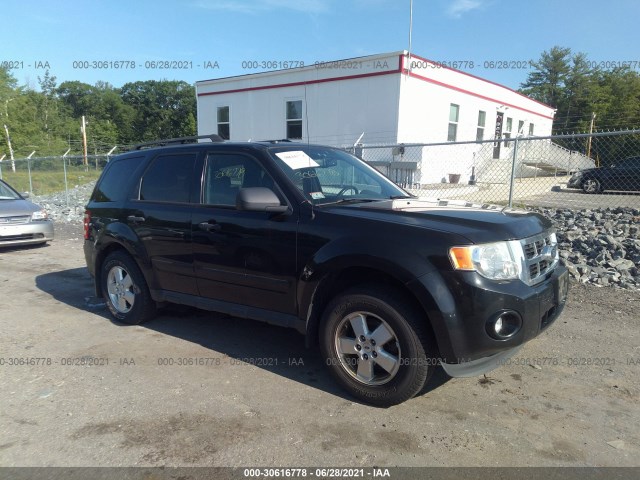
(275, 141)
(181, 140)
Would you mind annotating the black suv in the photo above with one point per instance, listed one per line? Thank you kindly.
(313, 238)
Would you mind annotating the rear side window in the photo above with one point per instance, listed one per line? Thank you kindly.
(114, 183)
(168, 179)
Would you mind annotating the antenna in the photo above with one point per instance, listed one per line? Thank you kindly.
(410, 30)
(306, 113)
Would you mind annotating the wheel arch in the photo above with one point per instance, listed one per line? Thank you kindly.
(109, 246)
(337, 281)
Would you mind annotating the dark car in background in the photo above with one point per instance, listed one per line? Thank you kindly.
(21, 221)
(621, 176)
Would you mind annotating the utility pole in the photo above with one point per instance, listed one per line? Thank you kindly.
(1, 158)
(593, 120)
(13, 163)
(83, 129)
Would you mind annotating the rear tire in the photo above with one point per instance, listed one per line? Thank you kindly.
(125, 290)
(377, 347)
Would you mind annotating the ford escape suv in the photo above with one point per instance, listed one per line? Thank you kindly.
(310, 237)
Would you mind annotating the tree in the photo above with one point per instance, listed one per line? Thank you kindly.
(47, 101)
(163, 109)
(547, 81)
(576, 100)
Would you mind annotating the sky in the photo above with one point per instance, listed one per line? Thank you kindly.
(204, 39)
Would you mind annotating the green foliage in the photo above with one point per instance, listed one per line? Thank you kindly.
(578, 89)
(163, 109)
(547, 81)
(48, 121)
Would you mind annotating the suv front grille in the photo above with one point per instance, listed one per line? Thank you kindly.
(540, 257)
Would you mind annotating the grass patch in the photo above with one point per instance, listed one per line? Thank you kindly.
(46, 181)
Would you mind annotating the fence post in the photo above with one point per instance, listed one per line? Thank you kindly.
(513, 170)
(29, 170)
(66, 186)
(64, 167)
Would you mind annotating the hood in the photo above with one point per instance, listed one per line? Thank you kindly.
(478, 223)
(9, 208)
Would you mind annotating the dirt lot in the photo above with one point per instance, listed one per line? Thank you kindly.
(81, 390)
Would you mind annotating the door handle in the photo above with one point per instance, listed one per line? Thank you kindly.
(135, 219)
(210, 227)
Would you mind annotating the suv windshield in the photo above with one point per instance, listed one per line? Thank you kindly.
(327, 175)
(7, 193)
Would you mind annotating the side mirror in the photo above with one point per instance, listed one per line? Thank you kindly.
(25, 194)
(259, 199)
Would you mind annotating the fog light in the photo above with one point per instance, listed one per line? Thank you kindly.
(504, 325)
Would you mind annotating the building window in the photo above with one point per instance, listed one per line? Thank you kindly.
(224, 126)
(530, 129)
(521, 127)
(454, 111)
(294, 119)
(482, 117)
(507, 130)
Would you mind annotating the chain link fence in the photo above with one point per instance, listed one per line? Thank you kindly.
(49, 175)
(521, 171)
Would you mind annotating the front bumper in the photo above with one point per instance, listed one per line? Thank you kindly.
(27, 233)
(470, 301)
(575, 182)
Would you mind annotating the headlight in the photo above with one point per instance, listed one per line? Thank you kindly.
(39, 215)
(576, 175)
(495, 261)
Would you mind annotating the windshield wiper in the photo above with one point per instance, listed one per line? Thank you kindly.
(398, 197)
(351, 200)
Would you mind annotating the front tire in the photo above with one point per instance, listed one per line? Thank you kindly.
(591, 185)
(125, 290)
(376, 346)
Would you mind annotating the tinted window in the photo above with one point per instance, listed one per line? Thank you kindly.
(225, 174)
(115, 180)
(631, 163)
(168, 179)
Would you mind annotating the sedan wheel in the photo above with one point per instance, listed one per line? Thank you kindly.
(591, 185)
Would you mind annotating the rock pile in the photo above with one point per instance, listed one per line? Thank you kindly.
(56, 203)
(600, 246)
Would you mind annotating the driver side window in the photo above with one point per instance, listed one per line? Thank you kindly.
(225, 174)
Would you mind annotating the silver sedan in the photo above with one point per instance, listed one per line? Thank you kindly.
(21, 221)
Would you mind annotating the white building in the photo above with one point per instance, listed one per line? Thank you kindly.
(391, 98)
